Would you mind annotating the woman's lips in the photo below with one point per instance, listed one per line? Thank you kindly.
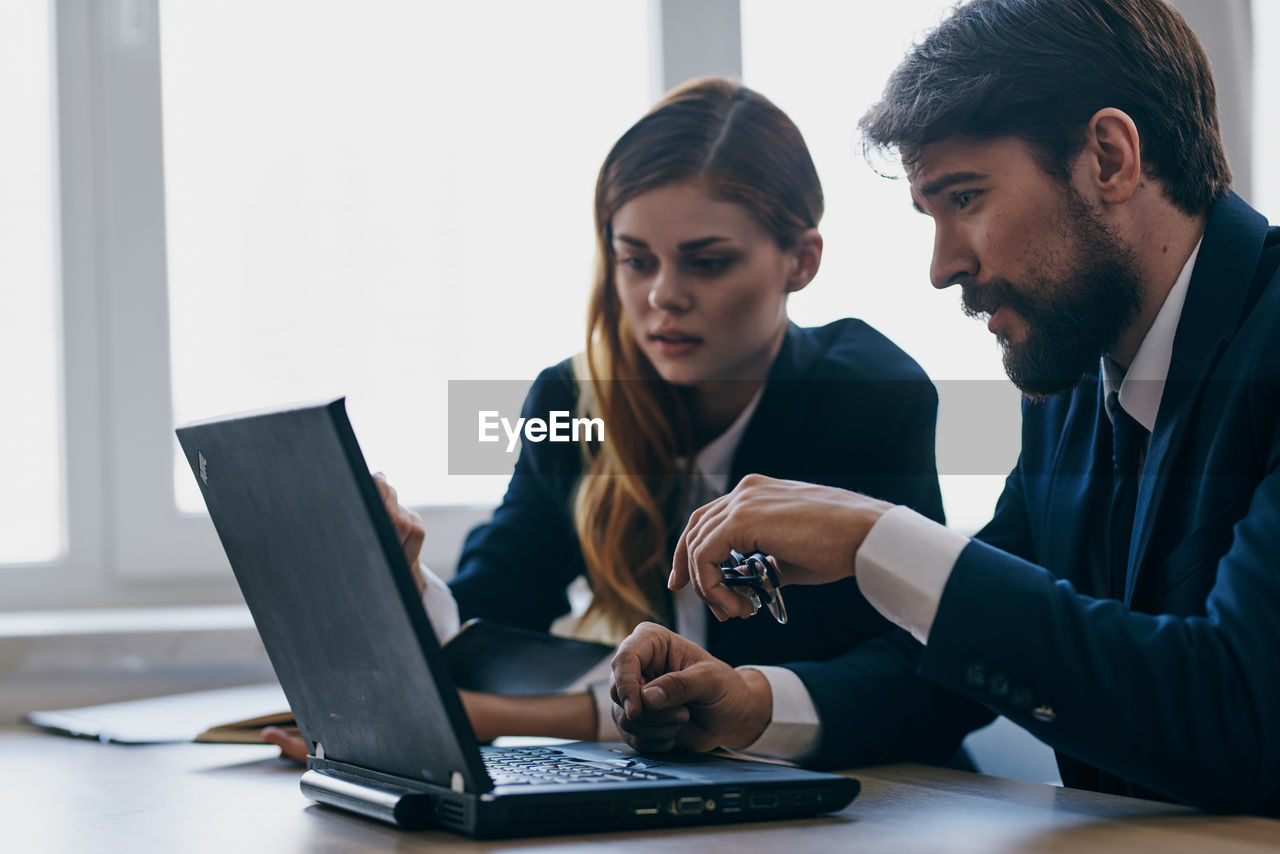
(672, 343)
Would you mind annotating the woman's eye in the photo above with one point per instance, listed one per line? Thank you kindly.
(635, 264)
(709, 266)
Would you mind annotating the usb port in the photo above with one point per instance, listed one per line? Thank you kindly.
(646, 809)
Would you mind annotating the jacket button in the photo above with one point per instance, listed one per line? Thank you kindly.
(998, 684)
(1044, 713)
(975, 674)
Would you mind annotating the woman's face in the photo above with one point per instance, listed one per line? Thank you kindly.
(703, 285)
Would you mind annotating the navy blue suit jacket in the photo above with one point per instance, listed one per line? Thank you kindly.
(1173, 692)
(843, 406)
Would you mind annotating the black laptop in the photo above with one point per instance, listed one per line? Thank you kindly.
(321, 569)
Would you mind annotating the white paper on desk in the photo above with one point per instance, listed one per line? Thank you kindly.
(177, 717)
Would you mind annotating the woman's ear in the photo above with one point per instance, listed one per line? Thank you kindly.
(806, 257)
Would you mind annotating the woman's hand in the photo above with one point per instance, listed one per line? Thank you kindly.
(570, 716)
(291, 746)
(409, 528)
(813, 532)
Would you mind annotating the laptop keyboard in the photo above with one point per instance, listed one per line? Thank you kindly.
(516, 765)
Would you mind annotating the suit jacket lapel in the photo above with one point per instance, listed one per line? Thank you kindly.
(782, 401)
(1220, 283)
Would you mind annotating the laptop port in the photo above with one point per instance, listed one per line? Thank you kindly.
(688, 805)
(649, 808)
(763, 802)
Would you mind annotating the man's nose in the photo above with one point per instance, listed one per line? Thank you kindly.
(953, 259)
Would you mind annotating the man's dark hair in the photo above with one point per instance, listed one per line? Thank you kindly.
(1038, 70)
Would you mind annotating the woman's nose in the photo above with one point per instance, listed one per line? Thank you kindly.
(668, 294)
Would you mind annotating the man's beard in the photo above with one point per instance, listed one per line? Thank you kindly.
(1072, 317)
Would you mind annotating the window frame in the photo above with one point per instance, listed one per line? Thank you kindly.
(126, 543)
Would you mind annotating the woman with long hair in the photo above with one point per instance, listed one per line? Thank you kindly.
(706, 214)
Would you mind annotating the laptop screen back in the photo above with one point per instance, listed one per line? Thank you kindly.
(321, 569)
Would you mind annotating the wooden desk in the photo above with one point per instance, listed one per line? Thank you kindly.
(62, 794)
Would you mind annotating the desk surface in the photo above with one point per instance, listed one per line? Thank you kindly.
(63, 794)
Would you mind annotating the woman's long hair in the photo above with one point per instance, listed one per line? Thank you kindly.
(745, 150)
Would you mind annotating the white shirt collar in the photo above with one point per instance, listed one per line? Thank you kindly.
(1142, 386)
(713, 461)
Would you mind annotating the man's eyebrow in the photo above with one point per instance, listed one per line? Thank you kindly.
(944, 183)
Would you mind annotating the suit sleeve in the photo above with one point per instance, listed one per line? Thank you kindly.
(1186, 706)
(874, 707)
(516, 568)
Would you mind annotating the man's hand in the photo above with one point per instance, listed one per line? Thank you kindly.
(409, 528)
(670, 692)
(813, 532)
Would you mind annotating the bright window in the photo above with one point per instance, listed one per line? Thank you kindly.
(367, 197)
(825, 62)
(373, 198)
(1266, 118)
(31, 480)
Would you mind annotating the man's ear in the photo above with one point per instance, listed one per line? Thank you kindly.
(807, 255)
(1111, 162)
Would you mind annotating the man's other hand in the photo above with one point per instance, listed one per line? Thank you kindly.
(669, 692)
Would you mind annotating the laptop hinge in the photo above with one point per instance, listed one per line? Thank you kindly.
(391, 804)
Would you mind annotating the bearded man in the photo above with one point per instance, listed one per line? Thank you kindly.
(1124, 601)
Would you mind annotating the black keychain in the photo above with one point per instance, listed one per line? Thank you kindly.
(757, 573)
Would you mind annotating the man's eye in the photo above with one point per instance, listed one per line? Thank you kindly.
(964, 197)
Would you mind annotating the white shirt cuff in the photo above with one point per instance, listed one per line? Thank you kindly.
(795, 731)
(442, 608)
(903, 566)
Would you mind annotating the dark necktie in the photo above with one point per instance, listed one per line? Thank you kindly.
(1128, 439)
